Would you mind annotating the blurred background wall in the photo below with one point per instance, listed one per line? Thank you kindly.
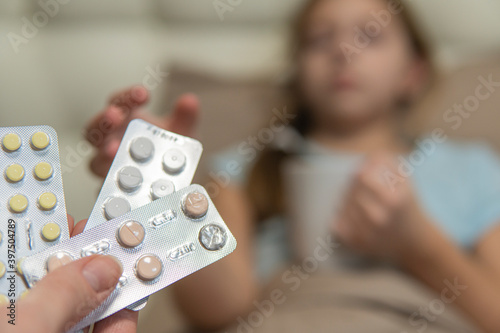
(61, 59)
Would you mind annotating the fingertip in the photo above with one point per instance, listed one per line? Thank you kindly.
(188, 105)
(71, 223)
(79, 227)
(139, 94)
(191, 99)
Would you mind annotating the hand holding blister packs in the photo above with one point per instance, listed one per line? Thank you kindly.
(33, 214)
(157, 245)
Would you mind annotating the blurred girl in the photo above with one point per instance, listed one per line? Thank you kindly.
(352, 84)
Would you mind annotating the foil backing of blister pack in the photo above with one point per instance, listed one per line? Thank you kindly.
(40, 203)
(151, 169)
(170, 235)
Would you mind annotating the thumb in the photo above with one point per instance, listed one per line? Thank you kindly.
(65, 296)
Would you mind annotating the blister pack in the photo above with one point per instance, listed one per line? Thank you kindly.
(33, 213)
(157, 245)
(149, 164)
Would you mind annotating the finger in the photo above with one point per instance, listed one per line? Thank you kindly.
(130, 99)
(103, 124)
(71, 223)
(73, 291)
(357, 227)
(79, 227)
(124, 321)
(379, 191)
(185, 115)
(100, 163)
(372, 210)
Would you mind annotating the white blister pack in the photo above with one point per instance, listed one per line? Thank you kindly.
(33, 210)
(157, 244)
(149, 164)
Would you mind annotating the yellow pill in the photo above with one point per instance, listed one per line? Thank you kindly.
(2, 269)
(1, 237)
(4, 299)
(11, 142)
(18, 203)
(47, 201)
(51, 231)
(14, 173)
(18, 266)
(43, 170)
(40, 140)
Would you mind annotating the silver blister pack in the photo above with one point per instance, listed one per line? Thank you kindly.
(157, 244)
(149, 164)
(33, 210)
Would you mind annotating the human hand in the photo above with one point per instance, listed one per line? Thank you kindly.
(124, 321)
(381, 217)
(106, 129)
(66, 295)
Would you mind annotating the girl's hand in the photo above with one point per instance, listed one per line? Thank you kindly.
(107, 128)
(381, 217)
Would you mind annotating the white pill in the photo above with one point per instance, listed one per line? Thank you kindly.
(141, 149)
(161, 188)
(115, 207)
(174, 161)
(129, 178)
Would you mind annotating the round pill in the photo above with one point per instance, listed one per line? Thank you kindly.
(2, 269)
(4, 299)
(161, 188)
(131, 234)
(115, 207)
(11, 142)
(43, 170)
(129, 178)
(195, 205)
(148, 267)
(47, 201)
(141, 149)
(58, 260)
(51, 231)
(18, 203)
(40, 140)
(14, 173)
(174, 161)
(212, 237)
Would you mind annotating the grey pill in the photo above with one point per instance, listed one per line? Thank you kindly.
(161, 188)
(115, 207)
(129, 178)
(213, 237)
(141, 149)
(174, 161)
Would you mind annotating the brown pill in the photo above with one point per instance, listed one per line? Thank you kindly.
(195, 205)
(58, 260)
(131, 234)
(148, 267)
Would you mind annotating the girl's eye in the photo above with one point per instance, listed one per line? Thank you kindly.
(319, 40)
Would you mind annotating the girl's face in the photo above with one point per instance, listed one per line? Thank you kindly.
(349, 73)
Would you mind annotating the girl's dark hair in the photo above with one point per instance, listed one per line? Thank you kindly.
(265, 182)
